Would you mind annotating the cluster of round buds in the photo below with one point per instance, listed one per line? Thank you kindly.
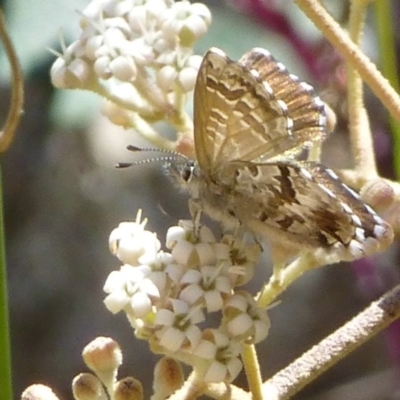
(169, 297)
(136, 53)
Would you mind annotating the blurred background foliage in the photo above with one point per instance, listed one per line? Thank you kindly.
(63, 197)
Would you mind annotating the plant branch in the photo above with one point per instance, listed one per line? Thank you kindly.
(359, 127)
(252, 368)
(338, 345)
(280, 280)
(352, 54)
(387, 48)
(17, 90)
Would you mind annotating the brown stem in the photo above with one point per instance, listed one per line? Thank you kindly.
(351, 53)
(338, 345)
(359, 128)
(17, 90)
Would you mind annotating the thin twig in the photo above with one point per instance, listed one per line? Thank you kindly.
(252, 368)
(389, 64)
(338, 345)
(279, 282)
(359, 127)
(351, 53)
(17, 90)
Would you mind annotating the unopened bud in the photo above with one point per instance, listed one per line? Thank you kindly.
(88, 387)
(38, 392)
(168, 377)
(378, 194)
(103, 356)
(128, 389)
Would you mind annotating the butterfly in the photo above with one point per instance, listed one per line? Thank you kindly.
(254, 126)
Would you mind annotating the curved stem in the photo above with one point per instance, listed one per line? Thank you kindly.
(359, 128)
(387, 49)
(284, 276)
(17, 90)
(350, 51)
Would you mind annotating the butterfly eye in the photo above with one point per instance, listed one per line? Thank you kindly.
(187, 172)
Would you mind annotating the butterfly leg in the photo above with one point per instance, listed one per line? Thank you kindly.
(196, 213)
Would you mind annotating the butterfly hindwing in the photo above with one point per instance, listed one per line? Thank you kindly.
(306, 203)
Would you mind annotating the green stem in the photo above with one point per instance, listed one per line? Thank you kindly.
(359, 127)
(252, 368)
(5, 353)
(384, 27)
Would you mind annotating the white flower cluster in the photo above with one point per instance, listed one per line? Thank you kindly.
(167, 296)
(136, 53)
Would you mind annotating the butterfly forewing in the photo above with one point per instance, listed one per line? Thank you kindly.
(234, 115)
(304, 107)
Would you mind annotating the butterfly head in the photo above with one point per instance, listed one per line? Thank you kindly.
(182, 170)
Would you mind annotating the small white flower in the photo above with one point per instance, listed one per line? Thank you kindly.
(177, 326)
(244, 319)
(119, 24)
(130, 241)
(70, 75)
(71, 70)
(121, 8)
(207, 285)
(243, 257)
(225, 371)
(186, 22)
(189, 250)
(131, 289)
(219, 357)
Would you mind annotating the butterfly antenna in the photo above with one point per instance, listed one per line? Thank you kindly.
(171, 156)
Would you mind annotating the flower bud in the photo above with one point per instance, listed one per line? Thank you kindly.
(128, 389)
(103, 356)
(69, 75)
(38, 392)
(378, 194)
(123, 68)
(102, 67)
(87, 387)
(187, 78)
(168, 377)
(166, 78)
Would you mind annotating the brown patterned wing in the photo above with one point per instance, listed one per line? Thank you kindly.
(304, 204)
(252, 110)
(235, 117)
(305, 109)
